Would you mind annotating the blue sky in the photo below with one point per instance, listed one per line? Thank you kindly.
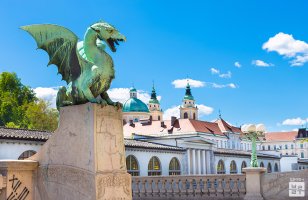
(173, 40)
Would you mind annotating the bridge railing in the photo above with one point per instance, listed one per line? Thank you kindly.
(219, 185)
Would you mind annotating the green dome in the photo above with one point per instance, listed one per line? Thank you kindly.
(188, 97)
(155, 101)
(134, 105)
(133, 90)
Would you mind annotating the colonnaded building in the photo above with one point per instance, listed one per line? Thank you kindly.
(179, 146)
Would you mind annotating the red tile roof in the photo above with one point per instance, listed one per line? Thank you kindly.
(224, 126)
(180, 126)
(281, 136)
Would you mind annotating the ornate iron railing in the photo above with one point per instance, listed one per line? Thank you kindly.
(152, 187)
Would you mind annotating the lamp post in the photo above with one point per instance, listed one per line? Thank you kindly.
(253, 133)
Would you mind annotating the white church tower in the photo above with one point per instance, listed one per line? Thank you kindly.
(154, 107)
(188, 110)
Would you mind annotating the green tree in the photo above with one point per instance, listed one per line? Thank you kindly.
(19, 107)
(40, 116)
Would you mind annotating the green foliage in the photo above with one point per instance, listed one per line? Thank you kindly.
(11, 125)
(19, 107)
(40, 116)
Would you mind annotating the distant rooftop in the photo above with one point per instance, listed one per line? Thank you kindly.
(24, 134)
(281, 136)
(243, 153)
(149, 145)
(180, 126)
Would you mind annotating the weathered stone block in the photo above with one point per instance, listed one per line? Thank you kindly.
(85, 157)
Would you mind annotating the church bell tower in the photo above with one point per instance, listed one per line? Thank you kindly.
(188, 110)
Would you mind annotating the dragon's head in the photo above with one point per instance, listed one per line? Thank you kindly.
(108, 34)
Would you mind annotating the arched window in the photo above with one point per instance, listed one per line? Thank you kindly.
(221, 167)
(269, 168)
(194, 116)
(26, 154)
(174, 167)
(276, 168)
(233, 169)
(185, 115)
(261, 164)
(158, 118)
(154, 168)
(244, 164)
(132, 165)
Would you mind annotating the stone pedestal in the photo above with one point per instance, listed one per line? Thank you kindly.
(16, 179)
(253, 182)
(85, 157)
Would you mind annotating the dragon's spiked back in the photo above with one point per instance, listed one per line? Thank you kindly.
(60, 44)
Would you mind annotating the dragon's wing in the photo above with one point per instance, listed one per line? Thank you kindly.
(60, 44)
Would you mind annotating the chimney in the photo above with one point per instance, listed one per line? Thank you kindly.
(162, 124)
(131, 123)
(173, 119)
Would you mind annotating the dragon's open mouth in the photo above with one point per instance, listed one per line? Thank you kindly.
(112, 41)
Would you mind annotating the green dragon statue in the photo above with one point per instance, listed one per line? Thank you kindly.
(85, 65)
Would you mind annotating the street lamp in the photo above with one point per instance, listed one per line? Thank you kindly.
(253, 133)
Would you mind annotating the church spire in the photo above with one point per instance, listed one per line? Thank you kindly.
(188, 94)
(188, 110)
(153, 96)
(154, 107)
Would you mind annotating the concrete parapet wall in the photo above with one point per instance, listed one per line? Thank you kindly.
(276, 185)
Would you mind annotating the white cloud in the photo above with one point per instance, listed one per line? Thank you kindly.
(122, 94)
(216, 85)
(221, 75)
(237, 64)
(204, 110)
(295, 121)
(261, 63)
(175, 111)
(181, 83)
(226, 75)
(48, 94)
(214, 71)
(285, 45)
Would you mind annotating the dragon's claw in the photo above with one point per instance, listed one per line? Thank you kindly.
(103, 102)
(118, 105)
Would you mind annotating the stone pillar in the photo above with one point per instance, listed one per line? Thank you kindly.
(16, 179)
(193, 161)
(188, 162)
(85, 157)
(208, 162)
(212, 162)
(198, 161)
(203, 162)
(253, 182)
